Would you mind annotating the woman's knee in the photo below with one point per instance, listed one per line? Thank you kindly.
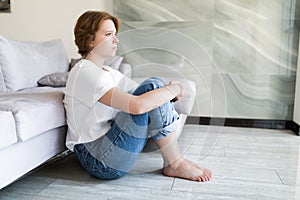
(150, 84)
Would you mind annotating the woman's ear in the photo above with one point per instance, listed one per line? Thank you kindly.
(91, 45)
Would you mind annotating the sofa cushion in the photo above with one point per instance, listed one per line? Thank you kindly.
(113, 62)
(8, 133)
(2, 83)
(57, 79)
(34, 113)
(126, 69)
(24, 63)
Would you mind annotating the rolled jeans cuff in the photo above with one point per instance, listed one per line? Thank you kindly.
(157, 134)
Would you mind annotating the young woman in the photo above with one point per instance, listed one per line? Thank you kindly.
(110, 116)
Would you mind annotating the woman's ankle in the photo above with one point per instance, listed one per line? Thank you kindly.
(174, 164)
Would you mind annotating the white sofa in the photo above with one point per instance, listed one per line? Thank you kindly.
(32, 118)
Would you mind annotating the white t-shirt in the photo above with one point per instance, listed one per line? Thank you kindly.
(87, 118)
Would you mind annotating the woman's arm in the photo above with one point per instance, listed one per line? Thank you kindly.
(143, 103)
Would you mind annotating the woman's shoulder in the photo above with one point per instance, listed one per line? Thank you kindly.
(84, 63)
(86, 67)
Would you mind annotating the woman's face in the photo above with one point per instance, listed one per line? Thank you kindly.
(105, 42)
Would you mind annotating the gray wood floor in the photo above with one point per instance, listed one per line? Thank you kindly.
(246, 164)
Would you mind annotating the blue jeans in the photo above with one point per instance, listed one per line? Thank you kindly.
(113, 155)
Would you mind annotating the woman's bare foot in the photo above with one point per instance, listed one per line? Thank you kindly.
(183, 168)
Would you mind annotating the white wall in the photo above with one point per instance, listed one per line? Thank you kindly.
(297, 93)
(41, 20)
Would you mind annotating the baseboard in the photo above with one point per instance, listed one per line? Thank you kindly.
(249, 123)
(293, 126)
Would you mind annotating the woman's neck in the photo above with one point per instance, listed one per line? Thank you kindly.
(95, 59)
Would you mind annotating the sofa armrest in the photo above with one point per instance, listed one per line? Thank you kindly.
(186, 103)
(126, 69)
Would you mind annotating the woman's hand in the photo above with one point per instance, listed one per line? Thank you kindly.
(171, 86)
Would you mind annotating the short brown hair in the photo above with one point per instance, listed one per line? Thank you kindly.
(86, 27)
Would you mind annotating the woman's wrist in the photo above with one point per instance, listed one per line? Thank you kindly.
(174, 89)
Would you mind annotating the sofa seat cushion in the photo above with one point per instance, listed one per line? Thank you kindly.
(34, 113)
(8, 133)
